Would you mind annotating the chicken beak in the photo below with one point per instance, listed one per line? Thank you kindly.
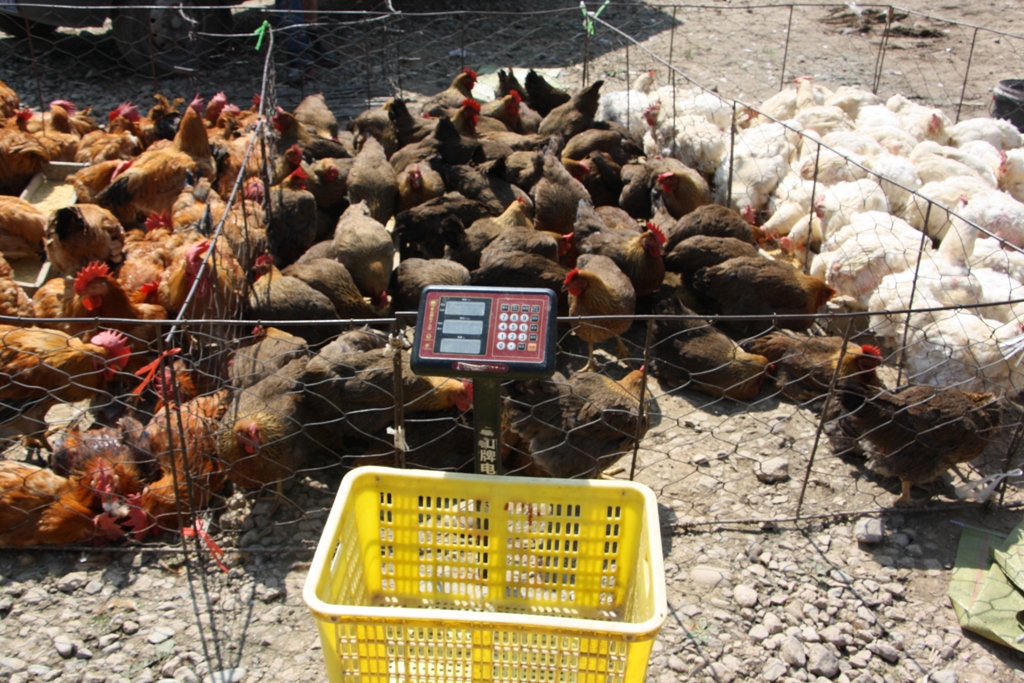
(92, 302)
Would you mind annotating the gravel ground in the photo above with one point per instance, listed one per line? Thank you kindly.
(748, 601)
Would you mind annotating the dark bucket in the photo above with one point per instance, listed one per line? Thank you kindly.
(1008, 102)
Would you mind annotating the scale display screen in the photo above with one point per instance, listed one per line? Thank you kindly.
(485, 331)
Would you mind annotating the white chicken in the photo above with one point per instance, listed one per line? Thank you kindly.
(694, 102)
(786, 103)
(898, 178)
(842, 201)
(946, 194)
(628, 107)
(698, 143)
(855, 258)
(966, 351)
(924, 123)
(1011, 173)
(850, 99)
(936, 162)
(753, 178)
(941, 279)
(1002, 135)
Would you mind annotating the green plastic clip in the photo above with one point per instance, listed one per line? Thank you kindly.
(588, 21)
(262, 31)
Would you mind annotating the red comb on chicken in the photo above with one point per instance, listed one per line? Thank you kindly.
(66, 105)
(159, 220)
(126, 110)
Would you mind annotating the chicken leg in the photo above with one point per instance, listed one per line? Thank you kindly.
(620, 348)
(591, 365)
(904, 500)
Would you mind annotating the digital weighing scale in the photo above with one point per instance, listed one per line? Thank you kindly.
(487, 334)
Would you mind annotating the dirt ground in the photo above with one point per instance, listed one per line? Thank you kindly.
(753, 595)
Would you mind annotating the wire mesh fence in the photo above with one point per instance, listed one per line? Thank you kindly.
(731, 412)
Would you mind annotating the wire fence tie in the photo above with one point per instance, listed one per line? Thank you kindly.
(261, 31)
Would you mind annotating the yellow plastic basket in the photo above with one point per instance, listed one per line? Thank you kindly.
(427, 577)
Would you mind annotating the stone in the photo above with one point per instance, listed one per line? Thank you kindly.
(39, 670)
(710, 576)
(885, 651)
(745, 596)
(821, 661)
(83, 653)
(94, 587)
(236, 675)
(943, 676)
(129, 628)
(69, 583)
(12, 665)
(676, 664)
(869, 530)
(758, 632)
(772, 623)
(773, 470)
(186, 675)
(860, 659)
(160, 634)
(721, 673)
(792, 652)
(835, 635)
(773, 670)
(65, 648)
(93, 677)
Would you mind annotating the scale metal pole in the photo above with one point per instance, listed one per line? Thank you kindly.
(487, 425)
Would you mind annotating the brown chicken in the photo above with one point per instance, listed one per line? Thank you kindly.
(754, 285)
(541, 95)
(427, 230)
(292, 225)
(291, 132)
(9, 102)
(362, 384)
(669, 180)
(576, 427)
(519, 269)
(694, 354)
(683, 191)
(59, 137)
(418, 183)
(803, 365)
(460, 89)
(506, 110)
(40, 367)
(162, 120)
(278, 297)
(701, 251)
(919, 431)
(332, 279)
(412, 275)
(218, 294)
(362, 245)
(575, 116)
(197, 199)
(272, 428)
(314, 113)
(556, 197)
(493, 192)
(637, 254)
(39, 507)
(13, 299)
(152, 182)
(380, 123)
(95, 293)
(121, 140)
(597, 287)
(183, 442)
(91, 180)
(21, 157)
(274, 348)
(373, 180)
(80, 234)
(469, 246)
(711, 220)
(22, 226)
(407, 129)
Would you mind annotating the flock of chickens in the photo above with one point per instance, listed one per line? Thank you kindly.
(622, 203)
